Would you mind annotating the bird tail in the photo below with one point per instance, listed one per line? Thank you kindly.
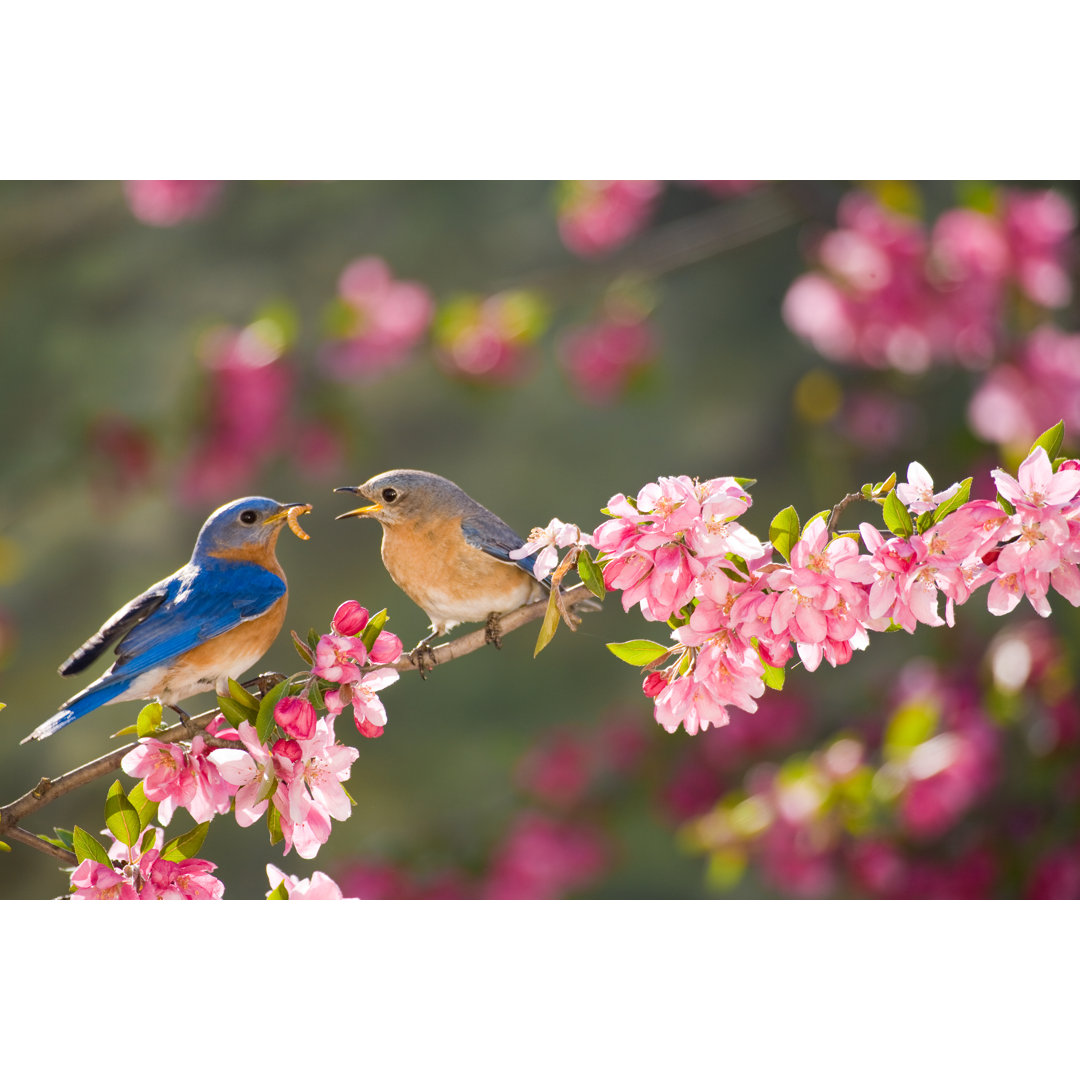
(95, 695)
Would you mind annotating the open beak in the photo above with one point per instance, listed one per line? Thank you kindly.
(360, 510)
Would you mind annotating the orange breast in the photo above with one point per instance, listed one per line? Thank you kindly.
(450, 579)
(226, 656)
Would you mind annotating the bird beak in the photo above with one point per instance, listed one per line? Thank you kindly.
(287, 509)
(360, 510)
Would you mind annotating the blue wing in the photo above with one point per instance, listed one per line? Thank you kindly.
(201, 601)
(483, 530)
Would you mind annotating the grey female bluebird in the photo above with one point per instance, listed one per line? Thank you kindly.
(445, 551)
(196, 629)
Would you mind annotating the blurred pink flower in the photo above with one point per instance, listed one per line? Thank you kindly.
(248, 391)
(168, 202)
(383, 319)
(596, 216)
(544, 859)
(603, 357)
(489, 338)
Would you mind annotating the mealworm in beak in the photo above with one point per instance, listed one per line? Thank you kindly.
(294, 524)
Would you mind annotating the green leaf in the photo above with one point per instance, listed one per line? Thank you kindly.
(958, 500)
(549, 625)
(1005, 504)
(89, 847)
(306, 654)
(121, 818)
(242, 696)
(744, 481)
(273, 824)
(774, 676)
(234, 712)
(897, 518)
(131, 729)
(7, 847)
(264, 722)
(784, 532)
(64, 837)
(149, 720)
(639, 652)
(187, 846)
(1050, 440)
(144, 806)
(313, 638)
(280, 893)
(373, 629)
(590, 574)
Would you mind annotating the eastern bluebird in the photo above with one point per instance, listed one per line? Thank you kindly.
(197, 628)
(446, 552)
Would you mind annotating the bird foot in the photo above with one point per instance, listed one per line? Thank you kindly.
(492, 631)
(423, 656)
(185, 719)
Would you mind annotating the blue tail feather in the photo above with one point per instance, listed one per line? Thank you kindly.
(93, 697)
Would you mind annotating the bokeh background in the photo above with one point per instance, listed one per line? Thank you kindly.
(170, 345)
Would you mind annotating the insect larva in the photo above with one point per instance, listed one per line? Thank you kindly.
(294, 523)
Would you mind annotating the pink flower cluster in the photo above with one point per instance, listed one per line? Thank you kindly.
(890, 294)
(248, 415)
(134, 874)
(677, 552)
(301, 778)
(1018, 400)
(174, 776)
(340, 657)
(842, 816)
(382, 320)
(168, 202)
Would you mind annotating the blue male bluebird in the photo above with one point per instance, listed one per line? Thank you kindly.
(446, 552)
(197, 628)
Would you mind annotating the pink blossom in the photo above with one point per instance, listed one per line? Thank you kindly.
(168, 202)
(918, 493)
(247, 393)
(189, 879)
(547, 541)
(1038, 224)
(603, 357)
(251, 771)
(338, 659)
(349, 619)
(1037, 486)
(1039, 386)
(295, 716)
(362, 695)
(311, 792)
(318, 887)
(93, 881)
(596, 216)
(384, 320)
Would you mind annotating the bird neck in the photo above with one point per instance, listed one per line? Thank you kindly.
(260, 554)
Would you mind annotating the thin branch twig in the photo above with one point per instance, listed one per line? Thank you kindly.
(47, 791)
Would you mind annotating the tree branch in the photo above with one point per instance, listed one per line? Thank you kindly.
(47, 791)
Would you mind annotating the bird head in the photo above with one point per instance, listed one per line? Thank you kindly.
(402, 494)
(246, 525)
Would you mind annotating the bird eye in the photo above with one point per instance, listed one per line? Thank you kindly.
(249, 517)
(389, 495)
